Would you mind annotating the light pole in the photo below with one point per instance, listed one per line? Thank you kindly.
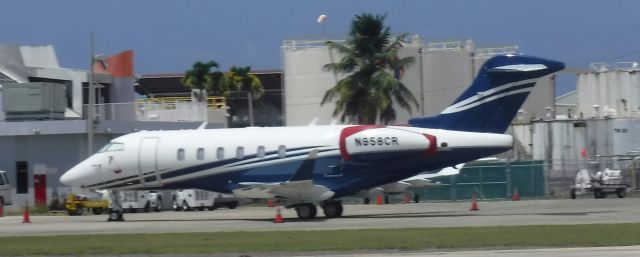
(91, 102)
(421, 84)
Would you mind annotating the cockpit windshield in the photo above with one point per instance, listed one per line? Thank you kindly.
(112, 147)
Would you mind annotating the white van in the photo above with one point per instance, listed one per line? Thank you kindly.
(5, 189)
(189, 199)
(132, 201)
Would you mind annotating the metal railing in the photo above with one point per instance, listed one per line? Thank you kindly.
(171, 111)
(491, 51)
(213, 102)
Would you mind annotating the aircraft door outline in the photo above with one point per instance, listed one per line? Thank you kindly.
(148, 162)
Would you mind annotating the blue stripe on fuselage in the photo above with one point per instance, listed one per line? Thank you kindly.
(355, 176)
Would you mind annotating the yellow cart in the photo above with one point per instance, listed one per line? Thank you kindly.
(76, 204)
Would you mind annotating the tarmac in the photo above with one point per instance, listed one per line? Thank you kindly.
(449, 214)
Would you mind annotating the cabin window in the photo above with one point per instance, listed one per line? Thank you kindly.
(261, 153)
(181, 154)
(200, 154)
(240, 152)
(220, 153)
(282, 151)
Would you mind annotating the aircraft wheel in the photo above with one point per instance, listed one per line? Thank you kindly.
(572, 193)
(306, 211)
(416, 197)
(185, 206)
(333, 209)
(367, 200)
(115, 216)
(175, 205)
(158, 207)
(621, 192)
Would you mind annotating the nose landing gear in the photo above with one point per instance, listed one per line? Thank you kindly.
(115, 210)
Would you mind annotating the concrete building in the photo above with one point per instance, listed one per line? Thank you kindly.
(441, 72)
(37, 147)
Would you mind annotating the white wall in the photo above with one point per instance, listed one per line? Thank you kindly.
(447, 73)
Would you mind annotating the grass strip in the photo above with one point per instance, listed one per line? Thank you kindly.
(327, 240)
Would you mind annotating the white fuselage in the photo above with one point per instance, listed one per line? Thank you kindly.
(182, 159)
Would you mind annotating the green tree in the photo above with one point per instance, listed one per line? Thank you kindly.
(201, 77)
(369, 59)
(242, 79)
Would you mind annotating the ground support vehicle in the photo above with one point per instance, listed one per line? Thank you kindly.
(192, 199)
(601, 184)
(77, 203)
(133, 201)
(5, 189)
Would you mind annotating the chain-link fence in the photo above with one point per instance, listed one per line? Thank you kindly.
(500, 179)
(492, 180)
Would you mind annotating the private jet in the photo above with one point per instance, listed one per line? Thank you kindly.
(317, 165)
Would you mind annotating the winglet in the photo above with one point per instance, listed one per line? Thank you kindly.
(203, 126)
(305, 171)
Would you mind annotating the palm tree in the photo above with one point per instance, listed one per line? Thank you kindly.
(243, 80)
(200, 77)
(369, 56)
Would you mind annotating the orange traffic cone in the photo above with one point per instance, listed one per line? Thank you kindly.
(379, 200)
(515, 196)
(407, 198)
(270, 203)
(25, 215)
(278, 218)
(474, 205)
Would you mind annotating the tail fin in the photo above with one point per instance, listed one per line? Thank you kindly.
(494, 98)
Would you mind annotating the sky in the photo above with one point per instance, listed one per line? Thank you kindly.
(170, 35)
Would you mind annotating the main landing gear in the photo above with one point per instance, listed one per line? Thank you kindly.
(331, 208)
(115, 210)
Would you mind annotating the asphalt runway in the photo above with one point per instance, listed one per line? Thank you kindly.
(451, 214)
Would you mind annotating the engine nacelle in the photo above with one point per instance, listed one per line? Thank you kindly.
(376, 142)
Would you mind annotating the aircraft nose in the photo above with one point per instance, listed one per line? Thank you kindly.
(72, 177)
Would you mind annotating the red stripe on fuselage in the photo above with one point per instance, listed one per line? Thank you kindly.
(346, 132)
(433, 145)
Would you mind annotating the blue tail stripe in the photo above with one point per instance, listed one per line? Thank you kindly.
(492, 100)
